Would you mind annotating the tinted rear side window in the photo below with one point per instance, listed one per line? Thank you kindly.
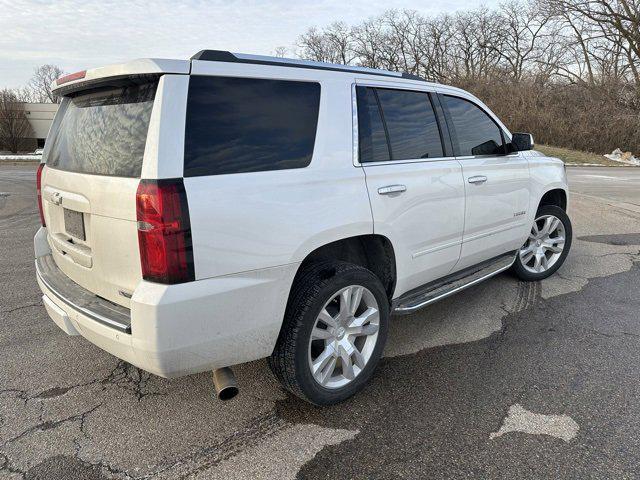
(396, 125)
(372, 140)
(475, 131)
(237, 125)
(411, 124)
(103, 131)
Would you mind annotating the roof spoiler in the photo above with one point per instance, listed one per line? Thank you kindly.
(134, 69)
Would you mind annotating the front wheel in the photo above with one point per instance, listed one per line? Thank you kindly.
(547, 246)
(334, 331)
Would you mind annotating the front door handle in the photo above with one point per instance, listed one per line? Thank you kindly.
(392, 189)
(477, 179)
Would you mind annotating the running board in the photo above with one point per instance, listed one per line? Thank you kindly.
(434, 291)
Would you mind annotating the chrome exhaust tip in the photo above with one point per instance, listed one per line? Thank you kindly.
(225, 384)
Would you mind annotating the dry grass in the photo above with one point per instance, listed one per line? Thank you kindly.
(576, 157)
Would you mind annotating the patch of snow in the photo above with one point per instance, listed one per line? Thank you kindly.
(22, 157)
(519, 419)
(592, 165)
(626, 158)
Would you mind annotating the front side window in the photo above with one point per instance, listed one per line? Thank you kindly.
(396, 125)
(240, 125)
(476, 133)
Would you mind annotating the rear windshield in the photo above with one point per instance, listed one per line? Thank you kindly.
(103, 131)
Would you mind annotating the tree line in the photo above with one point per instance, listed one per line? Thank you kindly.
(566, 70)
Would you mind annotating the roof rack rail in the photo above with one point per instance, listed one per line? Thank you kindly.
(225, 56)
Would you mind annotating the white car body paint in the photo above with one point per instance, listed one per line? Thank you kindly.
(311, 206)
(492, 224)
(251, 231)
(425, 251)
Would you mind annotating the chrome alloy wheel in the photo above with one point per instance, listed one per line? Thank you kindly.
(545, 244)
(344, 336)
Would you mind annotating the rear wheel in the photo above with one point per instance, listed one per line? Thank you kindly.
(547, 246)
(333, 334)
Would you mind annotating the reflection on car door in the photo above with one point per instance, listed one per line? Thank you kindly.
(416, 193)
(497, 184)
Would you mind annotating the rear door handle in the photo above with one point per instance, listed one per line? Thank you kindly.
(477, 179)
(392, 189)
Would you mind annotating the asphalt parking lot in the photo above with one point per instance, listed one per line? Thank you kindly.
(504, 380)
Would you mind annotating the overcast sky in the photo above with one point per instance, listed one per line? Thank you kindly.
(79, 34)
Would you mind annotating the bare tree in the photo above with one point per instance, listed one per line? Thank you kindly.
(569, 66)
(604, 34)
(339, 37)
(332, 44)
(621, 16)
(477, 36)
(577, 41)
(280, 52)
(436, 45)
(523, 39)
(40, 83)
(405, 36)
(370, 43)
(14, 126)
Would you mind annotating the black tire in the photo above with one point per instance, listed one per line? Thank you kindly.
(521, 272)
(311, 290)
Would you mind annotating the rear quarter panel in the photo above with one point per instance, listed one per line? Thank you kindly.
(258, 220)
(266, 219)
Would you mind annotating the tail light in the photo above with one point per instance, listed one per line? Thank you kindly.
(39, 193)
(164, 231)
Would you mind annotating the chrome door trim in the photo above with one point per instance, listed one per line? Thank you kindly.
(354, 128)
(493, 232)
(389, 189)
(436, 249)
(354, 123)
(477, 179)
(401, 162)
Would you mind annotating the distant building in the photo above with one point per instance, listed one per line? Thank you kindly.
(40, 116)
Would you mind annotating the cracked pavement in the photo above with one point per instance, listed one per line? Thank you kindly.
(567, 346)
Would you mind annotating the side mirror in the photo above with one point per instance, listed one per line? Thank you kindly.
(521, 142)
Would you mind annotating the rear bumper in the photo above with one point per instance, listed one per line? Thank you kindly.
(174, 330)
(79, 299)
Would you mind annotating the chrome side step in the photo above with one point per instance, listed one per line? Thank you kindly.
(434, 291)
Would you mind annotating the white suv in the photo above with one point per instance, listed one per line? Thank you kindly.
(199, 214)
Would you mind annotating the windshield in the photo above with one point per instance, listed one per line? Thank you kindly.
(103, 131)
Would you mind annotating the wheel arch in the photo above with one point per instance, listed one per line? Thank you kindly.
(554, 196)
(372, 251)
